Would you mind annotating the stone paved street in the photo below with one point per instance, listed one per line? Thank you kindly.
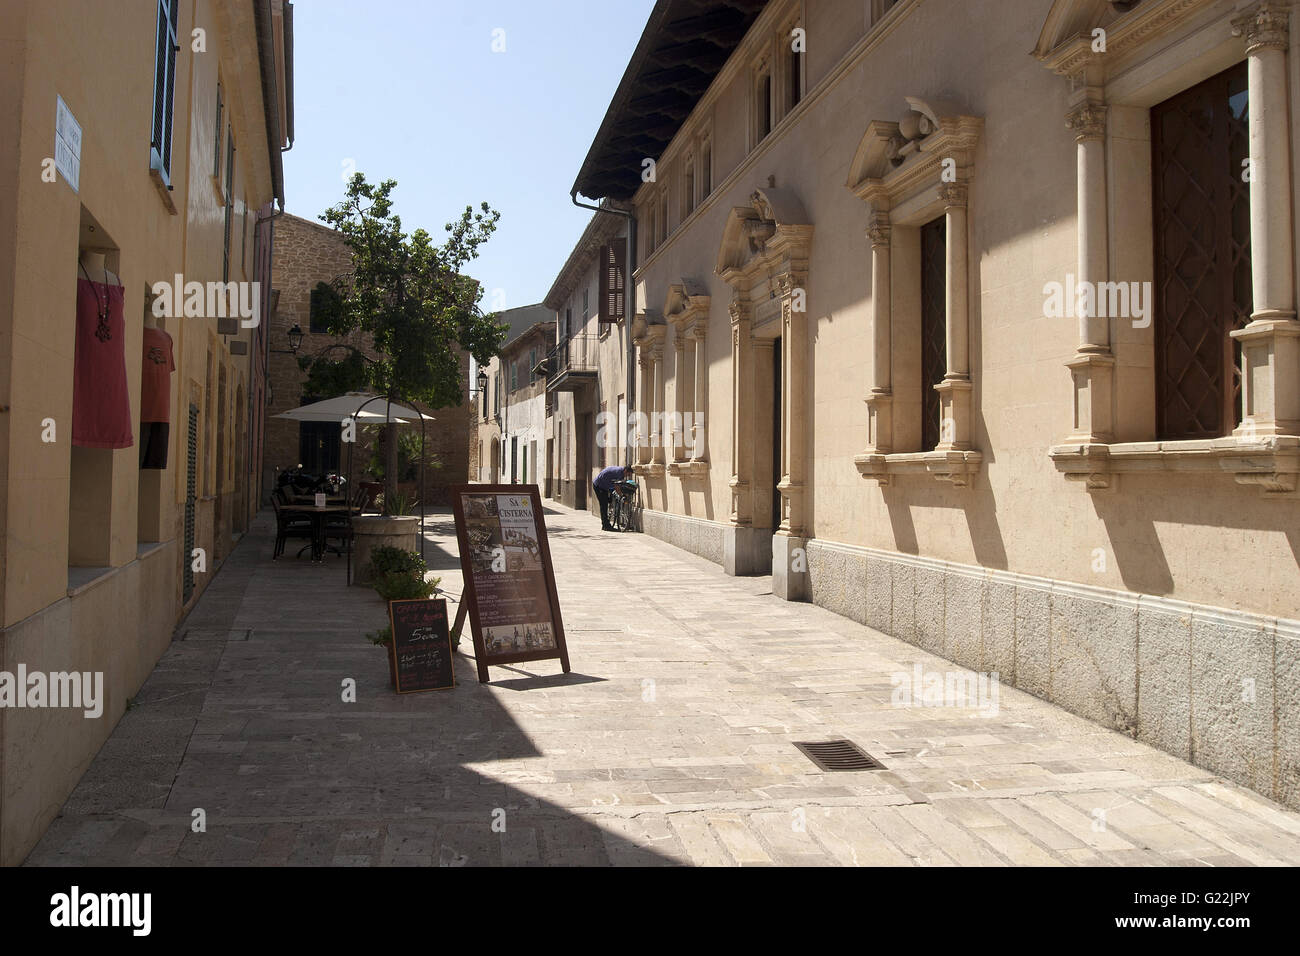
(671, 742)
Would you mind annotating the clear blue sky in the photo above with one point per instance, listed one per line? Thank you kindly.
(411, 90)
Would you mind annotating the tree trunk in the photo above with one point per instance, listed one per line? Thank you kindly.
(390, 466)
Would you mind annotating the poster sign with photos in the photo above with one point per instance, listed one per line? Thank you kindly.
(421, 645)
(509, 584)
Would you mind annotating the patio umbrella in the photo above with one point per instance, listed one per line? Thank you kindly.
(345, 406)
(378, 402)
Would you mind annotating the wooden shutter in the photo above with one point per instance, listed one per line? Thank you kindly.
(612, 295)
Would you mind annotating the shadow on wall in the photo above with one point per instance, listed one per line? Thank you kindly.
(1133, 508)
(977, 502)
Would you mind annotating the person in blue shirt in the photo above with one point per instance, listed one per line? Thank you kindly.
(604, 484)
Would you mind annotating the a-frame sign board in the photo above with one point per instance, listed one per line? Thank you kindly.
(509, 591)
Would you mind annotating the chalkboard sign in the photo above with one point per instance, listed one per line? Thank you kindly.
(421, 645)
(509, 591)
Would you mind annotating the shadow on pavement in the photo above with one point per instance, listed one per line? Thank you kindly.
(253, 726)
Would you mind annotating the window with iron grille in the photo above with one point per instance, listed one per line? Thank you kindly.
(1200, 142)
(191, 473)
(216, 138)
(688, 186)
(230, 201)
(934, 326)
(762, 103)
(164, 89)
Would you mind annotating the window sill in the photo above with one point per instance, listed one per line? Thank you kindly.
(651, 470)
(164, 190)
(692, 468)
(1269, 462)
(959, 467)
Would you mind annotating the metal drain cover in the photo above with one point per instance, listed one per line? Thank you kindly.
(835, 756)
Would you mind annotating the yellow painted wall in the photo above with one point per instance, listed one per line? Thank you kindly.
(99, 57)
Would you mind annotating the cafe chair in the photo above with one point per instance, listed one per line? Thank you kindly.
(288, 524)
(338, 527)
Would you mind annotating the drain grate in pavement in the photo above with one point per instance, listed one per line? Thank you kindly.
(839, 755)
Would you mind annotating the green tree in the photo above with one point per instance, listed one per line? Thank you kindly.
(412, 298)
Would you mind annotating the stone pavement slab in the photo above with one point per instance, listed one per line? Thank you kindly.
(671, 743)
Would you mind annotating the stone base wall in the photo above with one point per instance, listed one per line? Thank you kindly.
(708, 539)
(1214, 686)
(118, 625)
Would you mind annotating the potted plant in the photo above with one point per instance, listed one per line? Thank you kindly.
(398, 575)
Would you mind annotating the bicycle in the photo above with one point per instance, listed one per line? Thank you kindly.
(623, 505)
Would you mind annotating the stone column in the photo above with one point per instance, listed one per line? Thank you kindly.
(1270, 344)
(1093, 364)
(955, 389)
(699, 449)
(742, 415)
(644, 407)
(681, 386)
(880, 400)
(794, 375)
(657, 403)
(789, 558)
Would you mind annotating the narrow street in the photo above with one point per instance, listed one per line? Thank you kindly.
(672, 742)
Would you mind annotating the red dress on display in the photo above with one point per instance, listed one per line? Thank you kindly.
(101, 405)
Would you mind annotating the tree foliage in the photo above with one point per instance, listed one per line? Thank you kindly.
(410, 296)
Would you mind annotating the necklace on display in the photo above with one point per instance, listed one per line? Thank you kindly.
(102, 330)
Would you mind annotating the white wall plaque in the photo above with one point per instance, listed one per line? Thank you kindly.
(67, 145)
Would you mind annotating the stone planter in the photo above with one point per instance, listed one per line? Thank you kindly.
(373, 531)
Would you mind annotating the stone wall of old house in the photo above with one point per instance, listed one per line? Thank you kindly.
(307, 253)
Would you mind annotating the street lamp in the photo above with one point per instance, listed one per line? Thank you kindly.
(295, 340)
(482, 380)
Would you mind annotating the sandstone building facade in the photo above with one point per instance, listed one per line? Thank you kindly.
(125, 178)
(493, 396)
(990, 322)
(587, 366)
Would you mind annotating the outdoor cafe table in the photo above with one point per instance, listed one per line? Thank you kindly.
(318, 516)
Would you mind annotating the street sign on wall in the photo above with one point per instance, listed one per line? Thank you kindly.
(509, 583)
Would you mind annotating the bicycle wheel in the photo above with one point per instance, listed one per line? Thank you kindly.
(611, 512)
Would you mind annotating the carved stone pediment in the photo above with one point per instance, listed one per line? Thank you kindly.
(647, 328)
(687, 302)
(774, 226)
(892, 158)
(1065, 44)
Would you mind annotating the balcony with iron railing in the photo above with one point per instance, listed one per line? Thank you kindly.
(572, 365)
